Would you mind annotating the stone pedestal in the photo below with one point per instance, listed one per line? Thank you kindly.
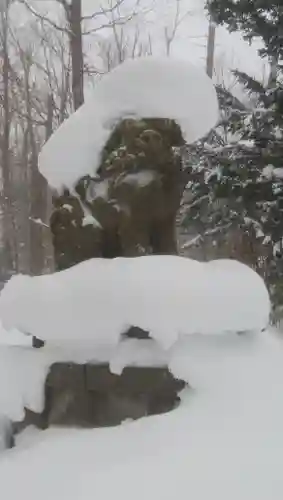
(91, 396)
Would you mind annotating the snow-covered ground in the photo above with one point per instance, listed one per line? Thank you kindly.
(224, 442)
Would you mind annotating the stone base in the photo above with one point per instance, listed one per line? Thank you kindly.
(91, 396)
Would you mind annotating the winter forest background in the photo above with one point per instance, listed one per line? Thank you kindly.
(53, 52)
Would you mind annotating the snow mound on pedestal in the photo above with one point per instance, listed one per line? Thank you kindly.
(192, 310)
(169, 296)
(143, 88)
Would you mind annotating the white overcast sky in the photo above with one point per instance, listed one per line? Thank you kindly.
(190, 42)
(231, 49)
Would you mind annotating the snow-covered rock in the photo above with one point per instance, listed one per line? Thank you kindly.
(6, 433)
(13, 338)
(147, 87)
(23, 370)
(83, 311)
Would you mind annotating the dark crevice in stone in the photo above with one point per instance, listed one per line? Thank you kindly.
(91, 396)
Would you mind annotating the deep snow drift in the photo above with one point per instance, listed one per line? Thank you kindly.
(147, 87)
(224, 442)
(168, 296)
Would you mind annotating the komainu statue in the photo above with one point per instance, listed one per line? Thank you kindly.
(129, 207)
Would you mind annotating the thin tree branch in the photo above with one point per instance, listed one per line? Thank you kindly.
(103, 11)
(44, 18)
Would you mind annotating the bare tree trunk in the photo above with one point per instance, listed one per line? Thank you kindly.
(38, 187)
(273, 71)
(49, 254)
(49, 118)
(9, 263)
(38, 204)
(210, 48)
(23, 204)
(74, 14)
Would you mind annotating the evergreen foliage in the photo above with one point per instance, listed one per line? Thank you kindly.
(237, 172)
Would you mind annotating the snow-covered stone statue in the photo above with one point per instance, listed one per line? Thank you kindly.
(134, 197)
(116, 163)
(117, 171)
